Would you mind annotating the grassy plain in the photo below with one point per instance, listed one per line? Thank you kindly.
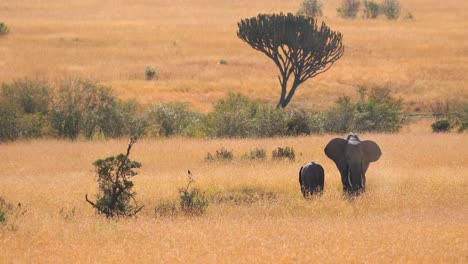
(414, 209)
(423, 61)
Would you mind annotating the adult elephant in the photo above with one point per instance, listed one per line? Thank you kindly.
(352, 157)
(311, 179)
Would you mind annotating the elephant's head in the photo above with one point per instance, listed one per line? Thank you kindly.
(352, 157)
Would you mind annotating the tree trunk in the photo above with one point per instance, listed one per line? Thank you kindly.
(284, 100)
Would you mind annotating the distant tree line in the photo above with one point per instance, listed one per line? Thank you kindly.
(84, 109)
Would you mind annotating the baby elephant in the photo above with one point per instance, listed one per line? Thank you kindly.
(311, 179)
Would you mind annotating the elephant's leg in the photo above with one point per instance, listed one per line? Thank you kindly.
(357, 179)
(345, 180)
(303, 190)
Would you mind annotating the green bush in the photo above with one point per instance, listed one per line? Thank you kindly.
(130, 119)
(220, 155)
(317, 121)
(3, 29)
(26, 105)
(378, 111)
(175, 119)
(29, 96)
(441, 126)
(348, 8)
(311, 8)
(34, 126)
(284, 153)
(340, 118)
(151, 73)
(298, 123)
(269, 121)
(233, 117)
(116, 197)
(192, 200)
(391, 9)
(256, 154)
(9, 121)
(83, 107)
(371, 9)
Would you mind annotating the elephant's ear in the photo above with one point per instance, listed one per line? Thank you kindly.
(335, 149)
(370, 150)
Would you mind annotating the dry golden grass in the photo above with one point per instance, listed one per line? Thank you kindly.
(113, 41)
(414, 209)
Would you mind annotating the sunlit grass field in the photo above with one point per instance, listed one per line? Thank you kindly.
(414, 208)
(423, 60)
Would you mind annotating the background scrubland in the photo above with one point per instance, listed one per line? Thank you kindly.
(414, 209)
(423, 60)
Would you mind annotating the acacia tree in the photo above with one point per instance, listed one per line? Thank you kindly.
(299, 48)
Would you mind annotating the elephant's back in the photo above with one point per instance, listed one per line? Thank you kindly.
(312, 170)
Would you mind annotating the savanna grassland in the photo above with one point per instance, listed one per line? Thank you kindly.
(414, 208)
(423, 60)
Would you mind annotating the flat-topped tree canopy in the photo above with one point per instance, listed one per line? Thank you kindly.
(296, 44)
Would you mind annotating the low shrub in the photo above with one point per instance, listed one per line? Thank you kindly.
(169, 119)
(269, 121)
(220, 155)
(408, 16)
(4, 29)
(9, 121)
(391, 9)
(256, 154)
(233, 117)
(441, 126)
(34, 126)
(311, 8)
(29, 96)
(298, 123)
(9, 214)
(192, 200)
(339, 119)
(348, 8)
(116, 197)
(317, 121)
(151, 73)
(25, 109)
(284, 153)
(83, 107)
(377, 111)
(371, 9)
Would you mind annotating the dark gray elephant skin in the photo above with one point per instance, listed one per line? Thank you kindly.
(311, 179)
(352, 157)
